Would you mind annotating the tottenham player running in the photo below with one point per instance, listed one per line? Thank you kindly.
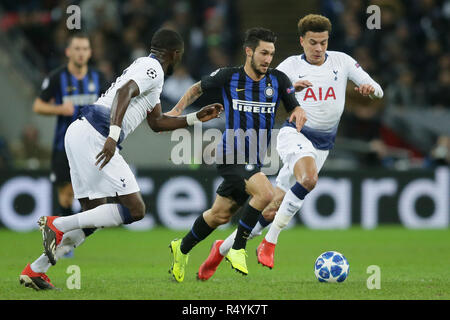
(64, 93)
(320, 79)
(97, 169)
(251, 96)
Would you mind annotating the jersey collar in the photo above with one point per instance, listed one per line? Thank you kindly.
(304, 58)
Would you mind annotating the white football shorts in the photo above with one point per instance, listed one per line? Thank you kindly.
(83, 143)
(291, 146)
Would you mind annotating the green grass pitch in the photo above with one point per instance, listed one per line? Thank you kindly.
(123, 264)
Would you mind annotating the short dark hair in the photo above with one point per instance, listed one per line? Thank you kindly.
(167, 39)
(254, 35)
(313, 23)
(76, 35)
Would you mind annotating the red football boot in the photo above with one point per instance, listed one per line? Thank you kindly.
(265, 252)
(51, 235)
(209, 266)
(35, 280)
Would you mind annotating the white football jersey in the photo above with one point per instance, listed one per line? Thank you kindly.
(324, 101)
(149, 77)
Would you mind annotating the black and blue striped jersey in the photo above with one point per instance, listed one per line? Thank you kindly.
(61, 86)
(250, 108)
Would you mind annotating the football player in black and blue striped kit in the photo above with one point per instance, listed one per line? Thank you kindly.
(64, 93)
(251, 95)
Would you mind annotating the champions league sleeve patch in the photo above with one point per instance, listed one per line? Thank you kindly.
(290, 90)
(152, 73)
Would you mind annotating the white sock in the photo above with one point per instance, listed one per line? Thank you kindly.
(227, 243)
(257, 231)
(288, 208)
(103, 216)
(70, 240)
(41, 264)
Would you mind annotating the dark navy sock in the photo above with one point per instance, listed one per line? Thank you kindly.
(247, 222)
(200, 230)
(299, 191)
(263, 222)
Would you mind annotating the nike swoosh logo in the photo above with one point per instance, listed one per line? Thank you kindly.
(237, 90)
(301, 76)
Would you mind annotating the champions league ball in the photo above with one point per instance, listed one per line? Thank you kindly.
(331, 266)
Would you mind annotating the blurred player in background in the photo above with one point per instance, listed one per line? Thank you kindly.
(251, 96)
(320, 80)
(97, 169)
(64, 93)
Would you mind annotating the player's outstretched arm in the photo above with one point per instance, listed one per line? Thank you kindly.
(159, 121)
(192, 94)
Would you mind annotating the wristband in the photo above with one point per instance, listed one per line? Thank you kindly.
(114, 132)
(191, 118)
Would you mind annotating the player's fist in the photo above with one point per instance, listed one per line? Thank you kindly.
(209, 112)
(66, 109)
(365, 89)
(107, 153)
(301, 84)
(300, 118)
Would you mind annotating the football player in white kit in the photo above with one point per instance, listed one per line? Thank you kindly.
(320, 80)
(97, 169)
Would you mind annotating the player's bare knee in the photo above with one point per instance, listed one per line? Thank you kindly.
(138, 211)
(309, 181)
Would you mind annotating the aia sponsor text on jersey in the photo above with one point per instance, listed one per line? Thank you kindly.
(319, 94)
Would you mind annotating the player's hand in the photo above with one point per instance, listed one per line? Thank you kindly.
(365, 89)
(300, 117)
(210, 112)
(66, 109)
(301, 84)
(107, 153)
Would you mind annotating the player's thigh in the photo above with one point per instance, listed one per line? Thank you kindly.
(87, 204)
(83, 143)
(305, 170)
(259, 186)
(75, 142)
(118, 179)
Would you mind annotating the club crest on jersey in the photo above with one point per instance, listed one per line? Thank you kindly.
(268, 92)
(91, 86)
(249, 167)
(152, 73)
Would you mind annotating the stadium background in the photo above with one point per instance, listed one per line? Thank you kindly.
(390, 163)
